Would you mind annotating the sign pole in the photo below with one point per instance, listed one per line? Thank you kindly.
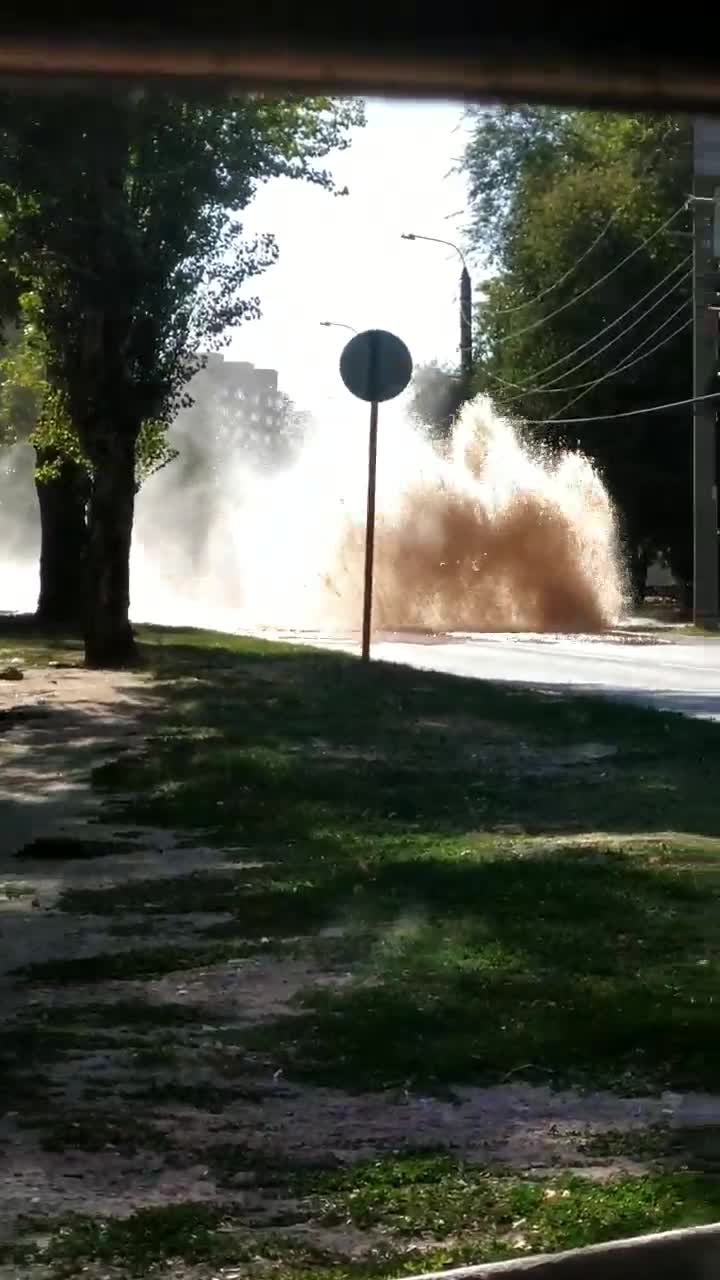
(375, 366)
(370, 533)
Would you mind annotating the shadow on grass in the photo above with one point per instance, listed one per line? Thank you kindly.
(38, 641)
(398, 806)
(567, 970)
(579, 966)
(270, 744)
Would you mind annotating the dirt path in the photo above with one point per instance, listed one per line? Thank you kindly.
(55, 726)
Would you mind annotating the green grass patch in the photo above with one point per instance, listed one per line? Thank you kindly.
(259, 743)
(149, 1240)
(440, 826)
(579, 966)
(14, 890)
(696, 1148)
(260, 903)
(24, 638)
(96, 1130)
(31, 1044)
(146, 1239)
(418, 1212)
(435, 1198)
(525, 885)
(296, 753)
(234, 1164)
(28, 1052)
(131, 965)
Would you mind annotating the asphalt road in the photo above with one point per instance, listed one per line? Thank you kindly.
(657, 668)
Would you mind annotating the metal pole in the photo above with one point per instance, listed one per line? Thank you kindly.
(370, 533)
(465, 323)
(370, 516)
(705, 327)
(465, 301)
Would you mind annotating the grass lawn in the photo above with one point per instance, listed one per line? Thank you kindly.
(525, 884)
(515, 886)
(452, 1214)
(22, 637)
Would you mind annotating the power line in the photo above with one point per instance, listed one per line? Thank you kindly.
(529, 302)
(516, 386)
(596, 284)
(628, 328)
(662, 343)
(624, 363)
(630, 362)
(606, 329)
(630, 413)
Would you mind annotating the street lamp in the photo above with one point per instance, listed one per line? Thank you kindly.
(465, 301)
(334, 324)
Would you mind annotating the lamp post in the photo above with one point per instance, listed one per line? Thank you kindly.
(465, 302)
(335, 324)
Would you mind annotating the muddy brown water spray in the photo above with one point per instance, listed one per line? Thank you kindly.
(488, 534)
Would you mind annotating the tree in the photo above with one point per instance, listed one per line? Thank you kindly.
(31, 411)
(120, 214)
(545, 186)
(28, 414)
(60, 481)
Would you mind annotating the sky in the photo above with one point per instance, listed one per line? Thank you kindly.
(343, 259)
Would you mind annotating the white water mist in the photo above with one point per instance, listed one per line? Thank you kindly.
(490, 535)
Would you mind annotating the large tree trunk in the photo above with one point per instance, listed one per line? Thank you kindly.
(63, 543)
(109, 640)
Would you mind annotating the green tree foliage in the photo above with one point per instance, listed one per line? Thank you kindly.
(32, 410)
(120, 213)
(544, 185)
(32, 413)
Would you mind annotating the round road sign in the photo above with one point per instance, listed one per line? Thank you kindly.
(376, 365)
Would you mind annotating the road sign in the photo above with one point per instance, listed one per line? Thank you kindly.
(375, 365)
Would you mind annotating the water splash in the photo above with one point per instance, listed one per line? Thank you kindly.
(489, 535)
(19, 531)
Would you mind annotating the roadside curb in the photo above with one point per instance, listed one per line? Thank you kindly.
(691, 1253)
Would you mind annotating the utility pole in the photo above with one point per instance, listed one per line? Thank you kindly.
(706, 180)
(466, 351)
(465, 325)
